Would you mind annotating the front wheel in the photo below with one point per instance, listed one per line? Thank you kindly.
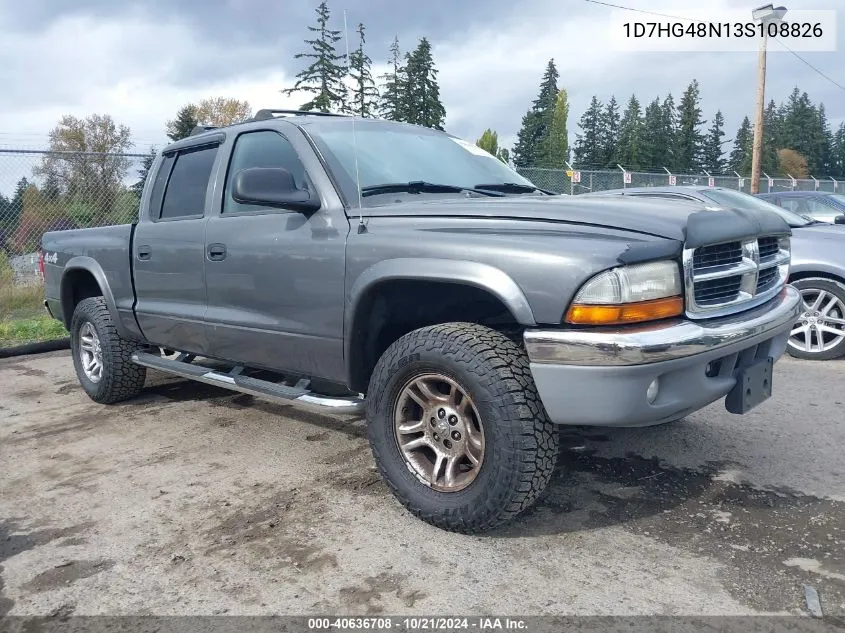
(457, 427)
(819, 332)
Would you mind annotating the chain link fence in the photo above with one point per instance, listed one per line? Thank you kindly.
(44, 191)
(584, 181)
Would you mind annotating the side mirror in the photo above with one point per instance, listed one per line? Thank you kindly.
(271, 187)
(839, 219)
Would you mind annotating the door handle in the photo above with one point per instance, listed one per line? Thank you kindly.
(145, 252)
(216, 252)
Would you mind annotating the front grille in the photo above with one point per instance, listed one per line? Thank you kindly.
(766, 278)
(716, 291)
(717, 255)
(733, 276)
(768, 247)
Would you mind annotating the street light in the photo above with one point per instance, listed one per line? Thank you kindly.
(764, 15)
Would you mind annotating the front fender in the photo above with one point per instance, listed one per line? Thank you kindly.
(483, 276)
(90, 265)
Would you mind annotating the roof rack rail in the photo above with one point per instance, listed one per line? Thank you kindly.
(269, 113)
(200, 129)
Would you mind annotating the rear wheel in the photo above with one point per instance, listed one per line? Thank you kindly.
(819, 332)
(103, 360)
(457, 428)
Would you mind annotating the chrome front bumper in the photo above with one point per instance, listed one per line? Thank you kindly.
(602, 376)
(639, 345)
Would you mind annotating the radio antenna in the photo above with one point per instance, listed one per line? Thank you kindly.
(361, 226)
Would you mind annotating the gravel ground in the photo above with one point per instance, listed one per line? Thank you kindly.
(193, 500)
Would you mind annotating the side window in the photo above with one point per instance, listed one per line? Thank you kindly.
(261, 149)
(185, 193)
(819, 207)
(159, 184)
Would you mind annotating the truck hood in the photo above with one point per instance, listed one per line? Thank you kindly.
(681, 222)
(822, 232)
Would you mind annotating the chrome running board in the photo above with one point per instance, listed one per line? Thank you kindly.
(235, 381)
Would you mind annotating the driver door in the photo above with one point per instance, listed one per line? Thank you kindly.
(274, 276)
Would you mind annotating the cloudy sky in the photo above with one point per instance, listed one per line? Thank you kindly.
(140, 60)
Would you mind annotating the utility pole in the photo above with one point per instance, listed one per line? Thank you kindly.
(764, 15)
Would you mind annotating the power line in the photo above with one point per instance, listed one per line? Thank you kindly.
(834, 82)
(677, 17)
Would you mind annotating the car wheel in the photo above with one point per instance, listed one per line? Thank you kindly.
(103, 360)
(457, 427)
(819, 332)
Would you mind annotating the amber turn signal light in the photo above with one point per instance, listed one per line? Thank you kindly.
(586, 314)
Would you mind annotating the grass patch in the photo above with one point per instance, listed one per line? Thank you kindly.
(20, 302)
(33, 330)
(22, 316)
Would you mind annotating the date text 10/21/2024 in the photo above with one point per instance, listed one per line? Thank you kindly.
(386, 623)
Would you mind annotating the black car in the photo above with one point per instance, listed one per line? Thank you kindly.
(818, 205)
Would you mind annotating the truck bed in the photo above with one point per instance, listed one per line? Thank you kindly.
(100, 251)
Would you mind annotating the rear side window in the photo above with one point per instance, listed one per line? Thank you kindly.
(185, 193)
(159, 184)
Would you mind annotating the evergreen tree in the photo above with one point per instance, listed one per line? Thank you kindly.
(773, 135)
(16, 206)
(51, 190)
(422, 93)
(323, 78)
(554, 150)
(665, 146)
(837, 159)
(712, 153)
(740, 158)
(610, 133)
(391, 105)
(146, 164)
(589, 146)
(630, 147)
(364, 97)
(184, 123)
(651, 136)
(689, 141)
(825, 142)
(535, 123)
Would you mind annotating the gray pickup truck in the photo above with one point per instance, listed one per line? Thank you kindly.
(352, 265)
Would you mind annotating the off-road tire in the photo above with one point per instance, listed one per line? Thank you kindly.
(521, 444)
(121, 378)
(835, 288)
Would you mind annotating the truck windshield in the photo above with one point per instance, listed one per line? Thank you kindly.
(390, 153)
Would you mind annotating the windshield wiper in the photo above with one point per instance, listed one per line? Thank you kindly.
(513, 187)
(421, 186)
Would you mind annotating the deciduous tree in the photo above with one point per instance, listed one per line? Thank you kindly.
(554, 151)
(791, 163)
(222, 111)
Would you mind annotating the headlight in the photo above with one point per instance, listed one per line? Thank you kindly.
(629, 294)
